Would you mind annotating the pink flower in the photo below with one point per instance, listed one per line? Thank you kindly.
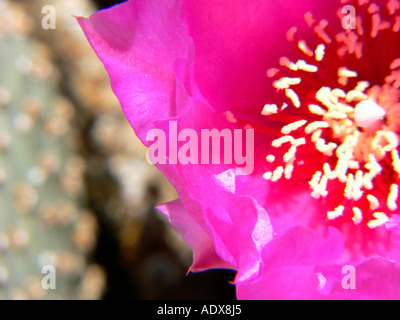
(318, 84)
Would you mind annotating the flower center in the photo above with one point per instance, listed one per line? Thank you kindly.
(343, 137)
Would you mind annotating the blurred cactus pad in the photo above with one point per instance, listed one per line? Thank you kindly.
(42, 217)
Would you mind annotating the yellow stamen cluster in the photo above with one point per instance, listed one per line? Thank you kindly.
(355, 152)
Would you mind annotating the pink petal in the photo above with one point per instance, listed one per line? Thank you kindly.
(394, 226)
(376, 278)
(238, 225)
(236, 42)
(141, 43)
(204, 256)
(241, 230)
(288, 270)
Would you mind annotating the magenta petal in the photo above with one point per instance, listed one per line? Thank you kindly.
(288, 270)
(140, 42)
(235, 227)
(237, 41)
(394, 226)
(238, 225)
(376, 278)
(204, 256)
(241, 229)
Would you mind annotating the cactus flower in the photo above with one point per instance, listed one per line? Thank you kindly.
(308, 95)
